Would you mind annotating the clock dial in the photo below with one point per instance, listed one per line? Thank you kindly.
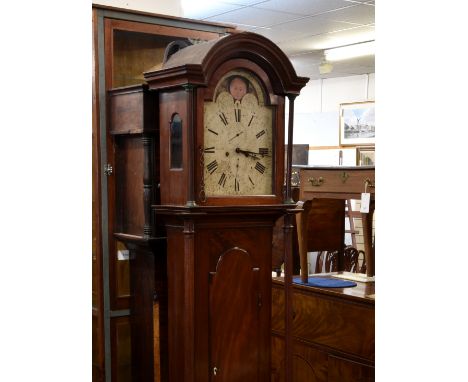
(238, 139)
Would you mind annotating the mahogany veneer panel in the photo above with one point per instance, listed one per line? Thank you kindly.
(344, 370)
(333, 332)
(235, 327)
(309, 364)
(335, 324)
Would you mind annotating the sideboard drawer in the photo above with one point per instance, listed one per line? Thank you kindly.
(337, 180)
(335, 323)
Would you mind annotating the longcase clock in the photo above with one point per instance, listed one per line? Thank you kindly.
(221, 122)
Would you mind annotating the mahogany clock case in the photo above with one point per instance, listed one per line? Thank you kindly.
(219, 248)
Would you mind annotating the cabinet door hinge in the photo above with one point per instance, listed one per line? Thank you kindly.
(108, 169)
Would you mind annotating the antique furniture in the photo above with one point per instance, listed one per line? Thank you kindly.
(333, 332)
(221, 117)
(323, 191)
(125, 182)
(327, 261)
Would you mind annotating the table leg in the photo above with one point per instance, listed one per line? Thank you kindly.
(367, 233)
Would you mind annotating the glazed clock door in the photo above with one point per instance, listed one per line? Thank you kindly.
(235, 302)
(238, 138)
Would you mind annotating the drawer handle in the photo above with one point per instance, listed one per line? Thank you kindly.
(316, 182)
(368, 183)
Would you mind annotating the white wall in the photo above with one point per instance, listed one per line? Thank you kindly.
(164, 7)
(316, 115)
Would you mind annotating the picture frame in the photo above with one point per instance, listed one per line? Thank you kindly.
(357, 124)
(365, 156)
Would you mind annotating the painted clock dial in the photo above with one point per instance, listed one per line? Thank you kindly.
(238, 138)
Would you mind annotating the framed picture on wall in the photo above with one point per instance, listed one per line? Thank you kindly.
(357, 123)
(365, 156)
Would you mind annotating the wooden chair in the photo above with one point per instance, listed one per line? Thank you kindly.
(327, 261)
(321, 227)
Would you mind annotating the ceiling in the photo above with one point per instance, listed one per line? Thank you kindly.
(301, 28)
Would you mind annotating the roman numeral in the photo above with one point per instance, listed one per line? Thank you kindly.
(260, 168)
(222, 180)
(223, 119)
(209, 150)
(260, 134)
(211, 131)
(212, 166)
(237, 114)
(236, 185)
(251, 119)
(263, 151)
(251, 181)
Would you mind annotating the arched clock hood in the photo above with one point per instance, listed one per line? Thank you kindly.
(195, 64)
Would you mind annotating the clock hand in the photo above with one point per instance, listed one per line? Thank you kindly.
(235, 136)
(250, 153)
(246, 153)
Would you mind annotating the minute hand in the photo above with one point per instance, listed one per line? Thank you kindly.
(249, 153)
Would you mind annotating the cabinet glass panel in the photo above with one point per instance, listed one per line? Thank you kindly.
(176, 142)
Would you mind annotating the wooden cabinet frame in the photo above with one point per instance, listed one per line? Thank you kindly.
(108, 305)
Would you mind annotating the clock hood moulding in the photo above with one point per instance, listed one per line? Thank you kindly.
(195, 64)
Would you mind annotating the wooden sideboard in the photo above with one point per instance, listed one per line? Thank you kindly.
(324, 191)
(332, 331)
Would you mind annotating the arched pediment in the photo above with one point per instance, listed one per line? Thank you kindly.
(196, 64)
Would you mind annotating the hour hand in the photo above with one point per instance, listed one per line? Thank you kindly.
(235, 136)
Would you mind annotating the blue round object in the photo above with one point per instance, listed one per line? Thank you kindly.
(323, 282)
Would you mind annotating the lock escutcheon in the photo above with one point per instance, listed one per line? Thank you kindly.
(344, 176)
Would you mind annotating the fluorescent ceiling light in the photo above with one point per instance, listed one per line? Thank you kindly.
(325, 67)
(350, 51)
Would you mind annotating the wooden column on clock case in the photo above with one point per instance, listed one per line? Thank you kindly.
(219, 249)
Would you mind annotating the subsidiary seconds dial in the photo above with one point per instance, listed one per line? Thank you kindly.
(238, 139)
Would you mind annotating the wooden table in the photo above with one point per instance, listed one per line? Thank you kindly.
(333, 333)
(324, 190)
